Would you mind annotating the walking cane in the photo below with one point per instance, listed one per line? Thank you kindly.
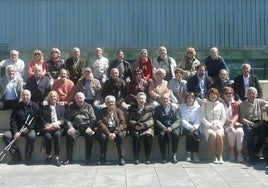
(7, 148)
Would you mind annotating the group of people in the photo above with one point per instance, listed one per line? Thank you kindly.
(103, 100)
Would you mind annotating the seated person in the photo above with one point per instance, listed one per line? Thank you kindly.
(64, 87)
(22, 124)
(37, 59)
(167, 124)
(51, 122)
(222, 81)
(111, 127)
(11, 87)
(80, 120)
(251, 117)
(141, 126)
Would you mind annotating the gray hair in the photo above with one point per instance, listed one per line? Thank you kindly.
(109, 97)
(253, 89)
(80, 93)
(10, 67)
(215, 49)
(141, 94)
(163, 71)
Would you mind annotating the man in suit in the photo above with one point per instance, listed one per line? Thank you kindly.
(199, 83)
(244, 81)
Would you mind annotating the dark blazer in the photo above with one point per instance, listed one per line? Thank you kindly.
(193, 84)
(45, 114)
(239, 89)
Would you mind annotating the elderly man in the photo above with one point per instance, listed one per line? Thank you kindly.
(251, 116)
(91, 87)
(81, 120)
(167, 124)
(14, 60)
(39, 85)
(215, 63)
(222, 81)
(111, 127)
(165, 62)
(75, 65)
(64, 87)
(99, 65)
(22, 123)
(11, 87)
(244, 81)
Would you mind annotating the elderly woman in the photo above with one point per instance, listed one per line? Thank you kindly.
(190, 119)
(189, 64)
(178, 87)
(233, 127)
(213, 119)
(140, 121)
(51, 122)
(138, 84)
(11, 87)
(37, 59)
(222, 81)
(158, 87)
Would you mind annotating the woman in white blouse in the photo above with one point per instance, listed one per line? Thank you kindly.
(213, 120)
(190, 118)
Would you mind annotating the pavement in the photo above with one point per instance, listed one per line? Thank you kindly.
(155, 175)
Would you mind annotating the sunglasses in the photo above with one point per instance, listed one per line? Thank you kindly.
(37, 54)
(143, 53)
(228, 93)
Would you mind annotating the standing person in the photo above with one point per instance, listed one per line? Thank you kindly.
(136, 85)
(54, 64)
(188, 65)
(215, 63)
(213, 119)
(24, 113)
(166, 62)
(75, 65)
(14, 60)
(145, 63)
(111, 127)
(122, 65)
(244, 81)
(11, 87)
(199, 84)
(251, 116)
(222, 82)
(233, 127)
(64, 87)
(51, 122)
(80, 120)
(178, 87)
(141, 122)
(37, 59)
(39, 85)
(190, 118)
(167, 124)
(99, 65)
(91, 88)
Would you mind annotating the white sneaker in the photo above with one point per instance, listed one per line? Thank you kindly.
(221, 160)
(196, 158)
(231, 156)
(215, 161)
(240, 158)
(188, 156)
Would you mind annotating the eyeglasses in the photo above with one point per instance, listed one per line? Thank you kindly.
(138, 74)
(37, 54)
(228, 93)
(177, 72)
(143, 53)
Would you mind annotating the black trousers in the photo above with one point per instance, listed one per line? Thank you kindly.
(103, 141)
(70, 143)
(163, 140)
(54, 135)
(191, 144)
(30, 139)
(147, 140)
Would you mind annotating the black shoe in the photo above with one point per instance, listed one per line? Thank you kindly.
(163, 159)
(174, 159)
(14, 160)
(122, 161)
(147, 162)
(67, 161)
(28, 162)
(57, 162)
(48, 159)
(102, 160)
(136, 162)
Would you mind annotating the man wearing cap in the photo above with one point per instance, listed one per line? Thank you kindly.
(13, 60)
(165, 62)
(99, 65)
(91, 87)
(75, 65)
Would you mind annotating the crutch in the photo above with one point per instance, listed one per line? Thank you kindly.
(7, 148)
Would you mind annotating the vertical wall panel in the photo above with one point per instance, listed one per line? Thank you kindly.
(133, 23)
